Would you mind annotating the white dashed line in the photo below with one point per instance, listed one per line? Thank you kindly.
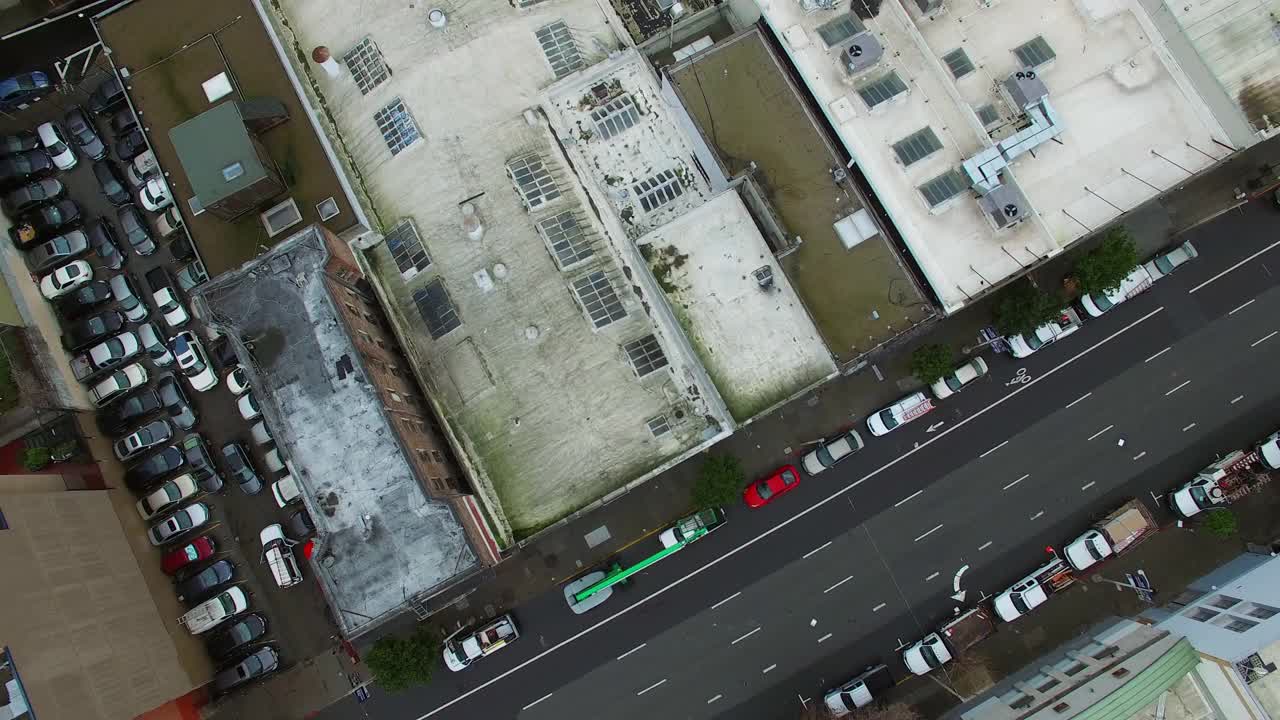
(1188, 427)
(929, 533)
(1153, 357)
(641, 645)
(535, 702)
(766, 670)
(833, 587)
(818, 549)
(1015, 482)
(717, 697)
(905, 499)
(879, 607)
(984, 545)
(1264, 338)
(1006, 442)
(660, 682)
(1238, 399)
(1089, 484)
(931, 577)
(1037, 515)
(1241, 307)
(744, 637)
(1184, 384)
(1082, 397)
(824, 638)
(1140, 455)
(713, 607)
(1233, 267)
(1101, 431)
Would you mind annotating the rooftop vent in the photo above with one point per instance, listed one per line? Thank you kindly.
(862, 53)
(1025, 88)
(1004, 206)
(437, 18)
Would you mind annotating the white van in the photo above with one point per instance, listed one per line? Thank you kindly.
(214, 611)
(277, 553)
(1135, 283)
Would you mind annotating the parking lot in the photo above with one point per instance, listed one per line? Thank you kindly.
(297, 621)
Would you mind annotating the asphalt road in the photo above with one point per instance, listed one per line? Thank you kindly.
(788, 600)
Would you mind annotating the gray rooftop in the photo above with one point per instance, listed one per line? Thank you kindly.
(388, 540)
(210, 145)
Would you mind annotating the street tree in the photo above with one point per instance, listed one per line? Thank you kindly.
(720, 481)
(1103, 268)
(1022, 307)
(401, 662)
(930, 362)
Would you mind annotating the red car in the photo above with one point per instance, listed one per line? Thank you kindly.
(202, 548)
(763, 492)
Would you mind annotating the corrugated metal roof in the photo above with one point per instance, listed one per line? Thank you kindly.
(1146, 687)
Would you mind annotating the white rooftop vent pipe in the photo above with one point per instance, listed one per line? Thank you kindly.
(437, 18)
(471, 223)
(324, 59)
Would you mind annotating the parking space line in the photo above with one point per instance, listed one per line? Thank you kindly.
(929, 533)
(821, 547)
(660, 682)
(1264, 338)
(535, 702)
(1241, 307)
(1089, 484)
(1184, 384)
(879, 607)
(1101, 431)
(713, 607)
(1153, 357)
(744, 637)
(824, 638)
(903, 500)
(984, 545)
(638, 647)
(1015, 482)
(1188, 427)
(762, 672)
(934, 575)
(833, 587)
(717, 697)
(1006, 442)
(1082, 397)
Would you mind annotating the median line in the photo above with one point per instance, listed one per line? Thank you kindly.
(879, 607)
(1091, 437)
(936, 529)
(713, 607)
(657, 684)
(769, 668)
(1241, 307)
(833, 587)
(905, 499)
(1264, 338)
(1088, 485)
(1188, 427)
(820, 548)
(1015, 482)
(638, 647)
(1006, 442)
(1082, 397)
(1153, 357)
(535, 702)
(1184, 384)
(744, 637)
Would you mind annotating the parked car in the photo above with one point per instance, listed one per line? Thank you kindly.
(168, 222)
(900, 413)
(135, 230)
(142, 168)
(241, 468)
(155, 196)
(166, 297)
(260, 434)
(45, 221)
(107, 96)
(273, 460)
(153, 469)
(122, 120)
(286, 491)
(199, 586)
(62, 248)
(21, 141)
(128, 412)
(84, 134)
(201, 464)
(19, 91)
(119, 383)
(831, 451)
(105, 355)
(762, 492)
(192, 361)
(1165, 263)
(213, 612)
(181, 249)
(300, 525)
(105, 245)
(130, 145)
(110, 183)
(262, 661)
(87, 331)
(237, 635)
(28, 196)
(237, 381)
(87, 297)
(198, 550)
(1021, 346)
(142, 439)
(176, 402)
(1136, 282)
(956, 380)
(248, 407)
(154, 346)
(122, 290)
(54, 140)
(169, 494)
(859, 692)
(23, 167)
(65, 279)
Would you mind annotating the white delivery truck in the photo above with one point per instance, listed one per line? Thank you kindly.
(1116, 533)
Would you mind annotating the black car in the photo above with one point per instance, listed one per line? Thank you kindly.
(56, 251)
(83, 299)
(181, 249)
(136, 230)
(32, 194)
(122, 120)
(241, 468)
(111, 183)
(264, 660)
(130, 145)
(85, 332)
(107, 96)
(22, 167)
(84, 134)
(117, 418)
(102, 238)
(197, 587)
(237, 635)
(46, 221)
(19, 142)
(201, 464)
(176, 402)
(300, 526)
(19, 91)
(154, 469)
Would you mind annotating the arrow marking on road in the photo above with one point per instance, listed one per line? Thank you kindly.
(955, 584)
(936, 425)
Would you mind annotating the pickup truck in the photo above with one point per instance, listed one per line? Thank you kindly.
(104, 356)
(1115, 534)
(947, 642)
(1031, 591)
(1216, 485)
(467, 646)
(858, 692)
(686, 528)
(1021, 346)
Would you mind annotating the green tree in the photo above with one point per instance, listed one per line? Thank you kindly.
(720, 480)
(1103, 268)
(35, 458)
(1221, 523)
(1022, 307)
(930, 362)
(398, 663)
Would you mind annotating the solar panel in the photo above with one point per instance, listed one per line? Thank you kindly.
(1034, 53)
(367, 67)
(645, 355)
(943, 188)
(560, 49)
(658, 190)
(958, 63)
(566, 237)
(397, 126)
(882, 89)
(533, 181)
(917, 146)
(436, 309)
(599, 299)
(407, 250)
(615, 117)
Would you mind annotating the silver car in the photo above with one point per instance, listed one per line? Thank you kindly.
(181, 522)
(1165, 263)
(142, 439)
(831, 451)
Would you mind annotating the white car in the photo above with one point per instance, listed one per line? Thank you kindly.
(213, 612)
(900, 413)
(237, 381)
(286, 491)
(1135, 283)
(1021, 346)
(112, 351)
(55, 142)
(168, 222)
(1269, 452)
(124, 380)
(955, 381)
(831, 451)
(192, 361)
(858, 692)
(1019, 600)
(1162, 265)
(166, 496)
(154, 346)
(65, 279)
(248, 407)
(260, 434)
(142, 439)
(171, 307)
(155, 196)
(179, 523)
(122, 290)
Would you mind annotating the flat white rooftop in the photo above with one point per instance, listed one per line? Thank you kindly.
(1128, 130)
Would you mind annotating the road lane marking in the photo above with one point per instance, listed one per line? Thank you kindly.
(984, 545)
(929, 533)
(1233, 267)
(762, 672)
(1140, 455)
(535, 702)
(1241, 307)
(1006, 442)
(1015, 482)
(717, 697)
(713, 607)
(879, 607)
(931, 577)
(660, 682)
(903, 500)
(1082, 397)
(1037, 515)
(744, 637)
(638, 647)
(1238, 399)
(833, 587)
(823, 546)
(1184, 384)
(1188, 427)
(1089, 484)
(1264, 338)
(794, 518)
(824, 638)
(1101, 431)
(1153, 357)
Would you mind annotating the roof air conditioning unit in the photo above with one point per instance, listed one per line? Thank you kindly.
(863, 52)
(1004, 206)
(1025, 88)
